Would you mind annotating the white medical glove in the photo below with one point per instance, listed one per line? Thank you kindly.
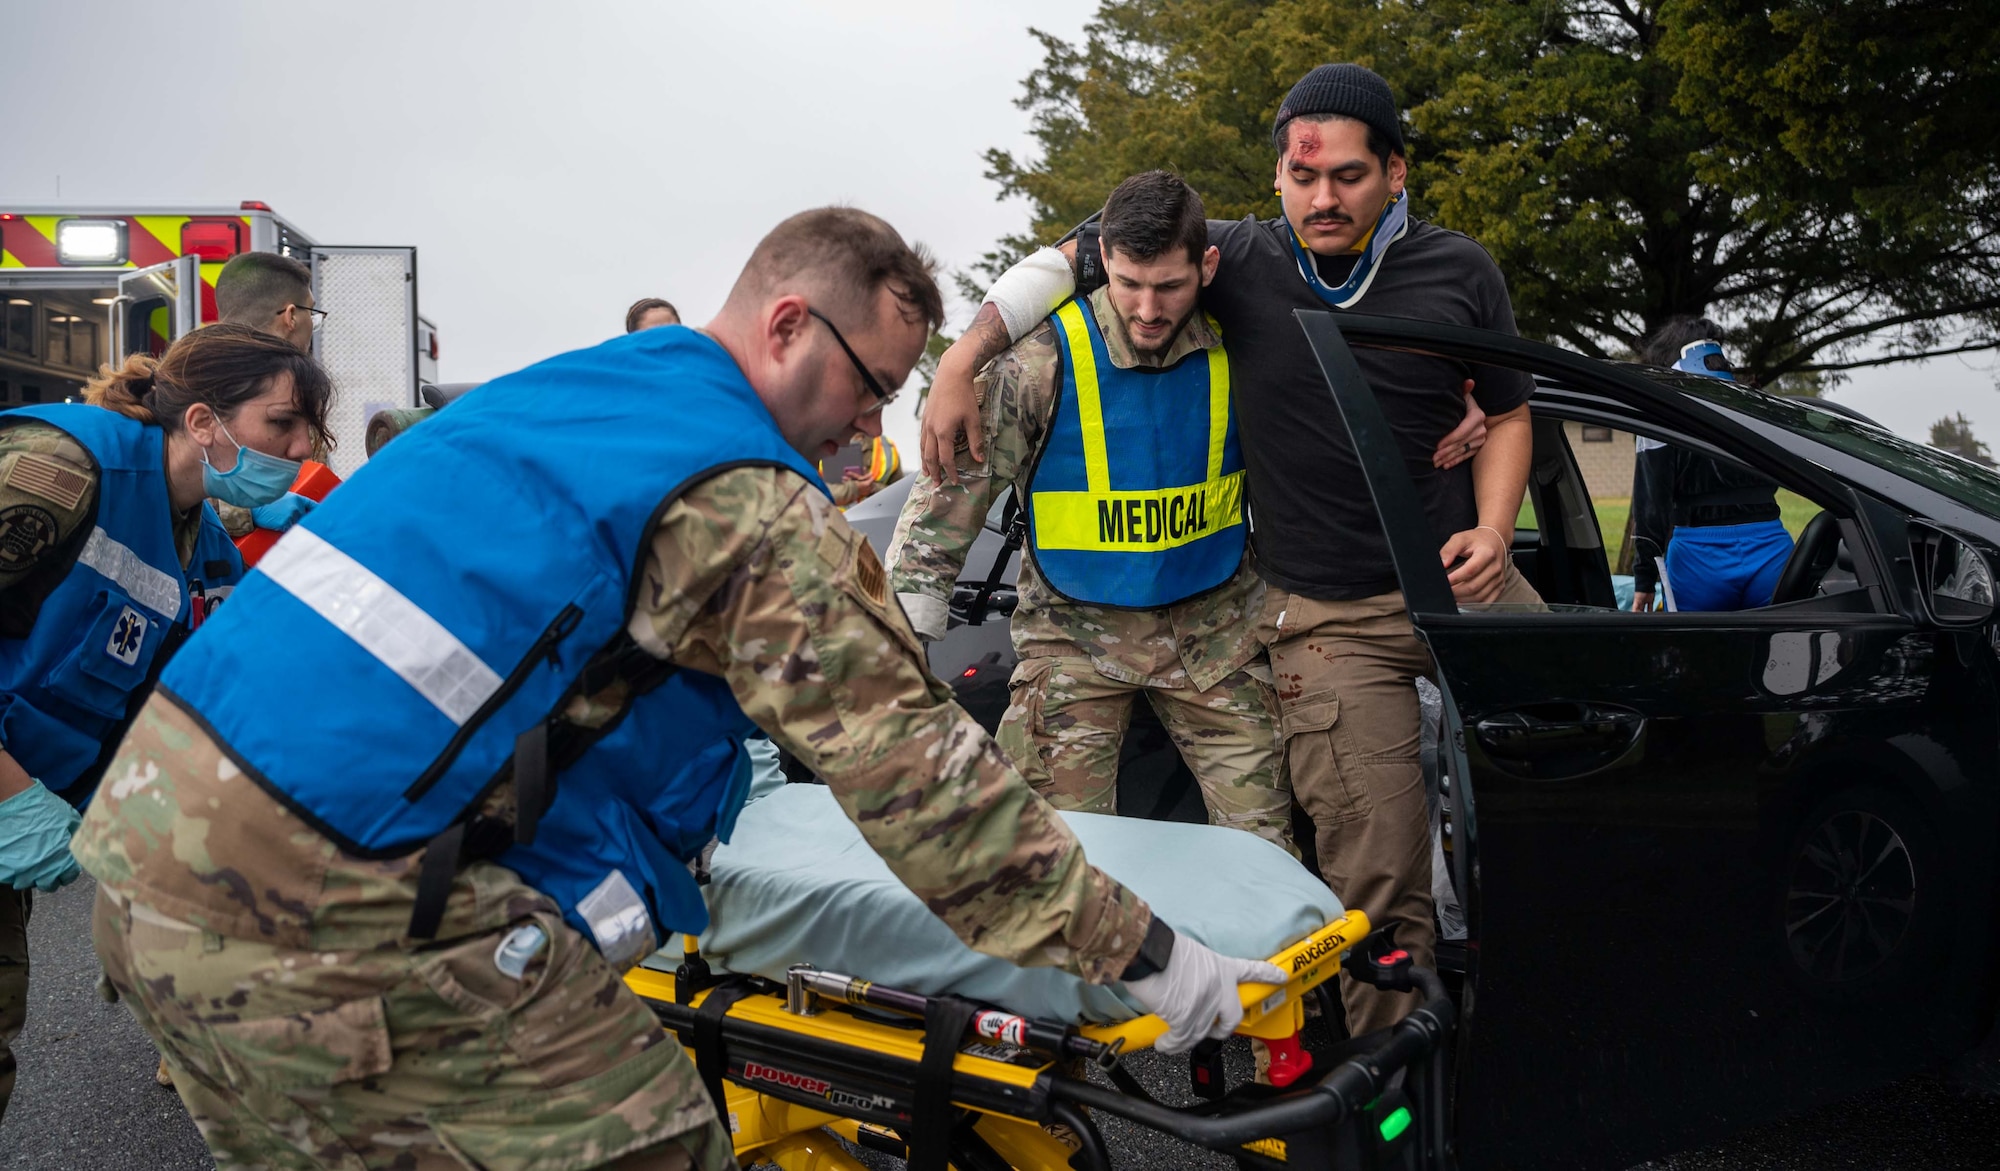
(1196, 993)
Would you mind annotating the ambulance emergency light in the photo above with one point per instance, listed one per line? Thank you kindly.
(90, 241)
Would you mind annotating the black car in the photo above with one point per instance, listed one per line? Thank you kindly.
(1715, 867)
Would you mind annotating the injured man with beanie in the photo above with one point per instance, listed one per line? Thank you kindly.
(1341, 645)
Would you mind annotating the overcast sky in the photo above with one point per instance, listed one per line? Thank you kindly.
(554, 162)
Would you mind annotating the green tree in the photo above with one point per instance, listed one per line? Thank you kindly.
(1623, 160)
(1953, 433)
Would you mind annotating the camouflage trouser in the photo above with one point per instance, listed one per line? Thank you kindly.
(1065, 726)
(409, 1057)
(14, 906)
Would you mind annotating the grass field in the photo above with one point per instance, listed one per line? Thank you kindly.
(1612, 512)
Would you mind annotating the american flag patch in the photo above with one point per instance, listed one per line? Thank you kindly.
(47, 477)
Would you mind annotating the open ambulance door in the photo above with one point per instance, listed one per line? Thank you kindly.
(1626, 789)
(367, 341)
(154, 306)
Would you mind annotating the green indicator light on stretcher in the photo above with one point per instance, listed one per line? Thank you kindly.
(1393, 1126)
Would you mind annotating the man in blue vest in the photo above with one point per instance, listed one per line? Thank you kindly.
(1111, 422)
(521, 654)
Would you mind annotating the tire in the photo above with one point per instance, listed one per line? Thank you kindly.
(1865, 897)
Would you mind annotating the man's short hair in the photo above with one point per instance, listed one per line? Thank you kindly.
(1378, 146)
(1151, 214)
(643, 306)
(839, 257)
(256, 286)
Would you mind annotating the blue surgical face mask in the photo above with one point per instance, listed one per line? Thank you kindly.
(256, 480)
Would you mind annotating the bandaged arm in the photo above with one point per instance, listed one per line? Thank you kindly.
(1033, 288)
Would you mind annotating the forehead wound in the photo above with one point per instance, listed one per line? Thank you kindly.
(1307, 141)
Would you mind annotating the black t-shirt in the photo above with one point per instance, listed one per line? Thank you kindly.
(1314, 528)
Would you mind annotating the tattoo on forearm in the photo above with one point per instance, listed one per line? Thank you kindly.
(987, 335)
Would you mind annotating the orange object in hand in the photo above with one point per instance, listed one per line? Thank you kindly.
(314, 482)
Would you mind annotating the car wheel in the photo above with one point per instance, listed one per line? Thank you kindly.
(1865, 896)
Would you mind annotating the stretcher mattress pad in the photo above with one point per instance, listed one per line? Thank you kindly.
(798, 884)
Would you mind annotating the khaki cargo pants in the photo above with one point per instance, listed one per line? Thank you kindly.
(1346, 675)
(410, 1058)
(1065, 728)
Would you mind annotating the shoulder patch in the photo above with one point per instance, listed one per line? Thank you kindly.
(49, 478)
(26, 532)
(868, 573)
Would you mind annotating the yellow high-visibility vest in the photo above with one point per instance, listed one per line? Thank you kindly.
(1137, 494)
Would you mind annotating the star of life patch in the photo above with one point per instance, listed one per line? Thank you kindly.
(128, 637)
(49, 478)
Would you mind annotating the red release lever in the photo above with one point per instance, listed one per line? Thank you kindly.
(1289, 1061)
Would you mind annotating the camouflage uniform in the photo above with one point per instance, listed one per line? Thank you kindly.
(306, 1029)
(48, 488)
(14, 908)
(1198, 663)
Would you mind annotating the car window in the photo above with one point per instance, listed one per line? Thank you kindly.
(1635, 497)
(1968, 483)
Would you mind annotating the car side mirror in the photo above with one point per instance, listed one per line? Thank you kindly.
(1954, 579)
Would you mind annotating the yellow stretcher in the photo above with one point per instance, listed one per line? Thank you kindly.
(820, 1056)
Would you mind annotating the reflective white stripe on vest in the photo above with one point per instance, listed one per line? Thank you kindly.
(149, 586)
(618, 918)
(388, 625)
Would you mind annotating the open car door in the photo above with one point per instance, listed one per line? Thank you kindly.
(154, 306)
(1649, 811)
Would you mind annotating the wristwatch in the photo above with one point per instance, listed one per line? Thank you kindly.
(1154, 952)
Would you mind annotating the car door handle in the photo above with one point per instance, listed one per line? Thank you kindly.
(1546, 741)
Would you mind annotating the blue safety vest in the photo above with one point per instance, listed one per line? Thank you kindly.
(103, 632)
(403, 650)
(1136, 498)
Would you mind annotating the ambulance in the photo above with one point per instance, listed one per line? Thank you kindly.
(80, 287)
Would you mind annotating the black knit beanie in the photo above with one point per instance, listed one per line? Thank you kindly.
(1353, 90)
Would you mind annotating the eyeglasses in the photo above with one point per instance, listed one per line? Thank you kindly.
(319, 316)
(882, 398)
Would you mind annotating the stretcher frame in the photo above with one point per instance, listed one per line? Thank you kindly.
(796, 1082)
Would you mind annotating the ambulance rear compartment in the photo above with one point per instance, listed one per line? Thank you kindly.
(53, 338)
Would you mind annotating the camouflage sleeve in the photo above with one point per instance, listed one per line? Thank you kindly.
(48, 487)
(236, 520)
(756, 577)
(940, 522)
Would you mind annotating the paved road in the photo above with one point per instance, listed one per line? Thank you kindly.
(86, 1099)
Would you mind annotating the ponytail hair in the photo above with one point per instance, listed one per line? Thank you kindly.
(126, 389)
(222, 366)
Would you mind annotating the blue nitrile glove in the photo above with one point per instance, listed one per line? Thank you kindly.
(282, 513)
(35, 828)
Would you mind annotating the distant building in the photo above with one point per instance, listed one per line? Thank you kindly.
(1605, 457)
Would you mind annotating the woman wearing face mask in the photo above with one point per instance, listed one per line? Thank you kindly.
(109, 558)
